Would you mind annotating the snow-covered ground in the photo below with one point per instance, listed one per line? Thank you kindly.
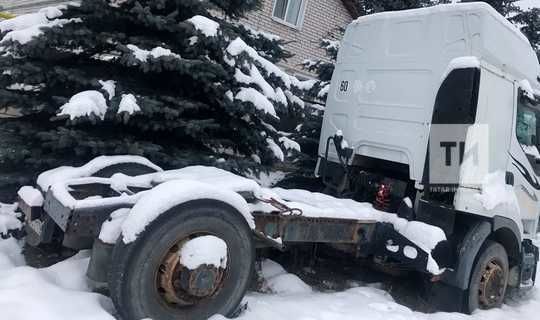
(60, 293)
(55, 293)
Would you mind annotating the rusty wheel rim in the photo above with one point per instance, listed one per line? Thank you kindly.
(492, 285)
(180, 287)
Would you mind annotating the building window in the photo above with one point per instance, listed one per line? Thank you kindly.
(289, 11)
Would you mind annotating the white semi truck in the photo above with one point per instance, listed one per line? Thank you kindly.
(415, 91)
(432, 114)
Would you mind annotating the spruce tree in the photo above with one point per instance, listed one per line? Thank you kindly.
(374, 6)
(180, 82)
(529, 23)
(504, 7)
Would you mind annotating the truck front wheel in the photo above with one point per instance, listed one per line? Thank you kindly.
(191, 263)
(489, 278)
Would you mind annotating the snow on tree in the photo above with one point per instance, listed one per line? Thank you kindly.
(179, 82)
(528, 21)
(318, 90)
(504, 7)
(374, 6)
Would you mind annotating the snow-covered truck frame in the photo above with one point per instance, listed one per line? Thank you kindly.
(181, 244)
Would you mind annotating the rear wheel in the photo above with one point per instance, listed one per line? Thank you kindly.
(489, 278)
(191, 263)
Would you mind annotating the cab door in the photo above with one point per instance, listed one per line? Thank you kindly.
(524, 160)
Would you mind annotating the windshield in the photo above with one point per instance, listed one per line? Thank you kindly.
(527, 128)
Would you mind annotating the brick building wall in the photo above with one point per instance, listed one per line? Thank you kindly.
(26, 6)
(320, 18)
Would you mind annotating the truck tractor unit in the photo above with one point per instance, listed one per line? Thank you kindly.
(429, 155)
(415, 92)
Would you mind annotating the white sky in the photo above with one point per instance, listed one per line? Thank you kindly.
(527, 4)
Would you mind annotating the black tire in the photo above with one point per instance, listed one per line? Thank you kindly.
(492, 256)
(132, 278)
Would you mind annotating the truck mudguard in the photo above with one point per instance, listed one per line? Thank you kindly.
(467, 252)
(512, 246)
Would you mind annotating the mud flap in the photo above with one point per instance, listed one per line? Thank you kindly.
(98, 268)
(467, 251)
(440, 296)
(390, 243)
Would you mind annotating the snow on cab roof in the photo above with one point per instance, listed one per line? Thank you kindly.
(448, 9)
(475, 29)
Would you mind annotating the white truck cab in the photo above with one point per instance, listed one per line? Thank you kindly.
(439, 105)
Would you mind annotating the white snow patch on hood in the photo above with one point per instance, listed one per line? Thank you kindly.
(496, 192)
